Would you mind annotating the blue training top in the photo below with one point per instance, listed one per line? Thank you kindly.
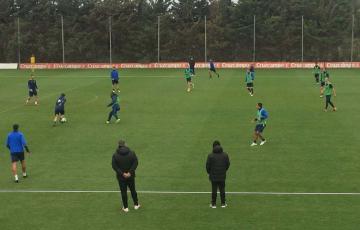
(114, 74)
(212, 66)
(15, 142)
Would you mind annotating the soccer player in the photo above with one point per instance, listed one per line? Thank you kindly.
(16, 143)
(249, 82)
(324, 74)
(32, 62)
(252, 71)
(60, 109)
(329, 91)
(260, 120)
(317, 71)
(192, 66)
(115, 79)
(115, 105)
(190, 84)
(33, 90)
(212, 69)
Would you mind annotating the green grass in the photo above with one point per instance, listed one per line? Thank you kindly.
(171, 131)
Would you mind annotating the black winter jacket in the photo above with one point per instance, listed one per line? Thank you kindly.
(217, 164)
(124, 160)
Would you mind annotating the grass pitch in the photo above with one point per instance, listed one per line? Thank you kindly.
(171, 131)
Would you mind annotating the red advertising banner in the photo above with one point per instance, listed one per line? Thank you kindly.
(182, 65)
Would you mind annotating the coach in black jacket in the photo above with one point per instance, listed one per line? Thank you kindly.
(216, 166)
(124, 163)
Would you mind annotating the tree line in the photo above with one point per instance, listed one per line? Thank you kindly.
(134, 23)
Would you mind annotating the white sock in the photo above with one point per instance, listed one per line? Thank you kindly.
(16, 177)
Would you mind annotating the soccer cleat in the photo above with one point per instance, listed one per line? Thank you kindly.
(107, 122)
(212, 206)
(321, 95)
(136, 207)
(253, 144)
(325, 110)
(125, 209)
(24, 175)
(36, 102)
(16, 181)
(117, 121)
(188, 89)
(252, 95)
(263, 142)
(223, 205)
(335, 109)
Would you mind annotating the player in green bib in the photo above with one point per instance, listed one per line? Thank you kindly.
(260, 119)
(329, 90)
(190, 84)
(317, 72)
(249, 82)
(324, 74)
(115, 107)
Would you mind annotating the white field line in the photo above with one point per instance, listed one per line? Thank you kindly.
(185, 192)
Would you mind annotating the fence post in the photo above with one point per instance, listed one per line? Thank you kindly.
(254, 41)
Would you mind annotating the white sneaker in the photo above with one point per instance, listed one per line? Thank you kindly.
(107, 122)
(224, 205)
(253, 144)
(118, 120)
(212, 206)
(36, 102)
(252, 95)
(136, 207)
(125, 209)
(263, 142)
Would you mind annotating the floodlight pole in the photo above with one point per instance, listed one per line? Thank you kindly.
(205, 38)
(158, 42)
(352, 39)
(62, 39)
(302, 38)
(18, 41)
(110, 41)
(254, 41)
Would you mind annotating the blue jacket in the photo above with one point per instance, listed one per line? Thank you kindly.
(114, 75)
(16, 142)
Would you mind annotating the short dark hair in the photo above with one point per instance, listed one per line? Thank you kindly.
(15, 127)
(260, 104)
(121, 143)
(216, 143)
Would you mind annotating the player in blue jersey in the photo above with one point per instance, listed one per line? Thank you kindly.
(16, 143)
(33, 90)
(115, 79)
(60, 109)
(260, 119)
(115, 107)
(212, 69)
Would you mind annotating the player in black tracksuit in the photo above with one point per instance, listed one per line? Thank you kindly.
(216, 166)
(124, 163)
(33, 90)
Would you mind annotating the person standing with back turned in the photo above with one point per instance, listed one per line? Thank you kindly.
(16, 143)
(124, 163)
(217, 165)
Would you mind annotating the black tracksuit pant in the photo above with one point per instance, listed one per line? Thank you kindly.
(124, 184)
(215, 186)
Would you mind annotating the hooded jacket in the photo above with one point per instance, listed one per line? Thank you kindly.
(217, 164)
(123, 161)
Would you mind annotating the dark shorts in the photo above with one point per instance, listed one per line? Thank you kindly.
(115, 82)
(259, 128)
(115, 109)
(213, 70)
(188, 79)
(192, 70)
(60, 111)
(249, 85)
(322, 83)
(15, 157)
(32, 93)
